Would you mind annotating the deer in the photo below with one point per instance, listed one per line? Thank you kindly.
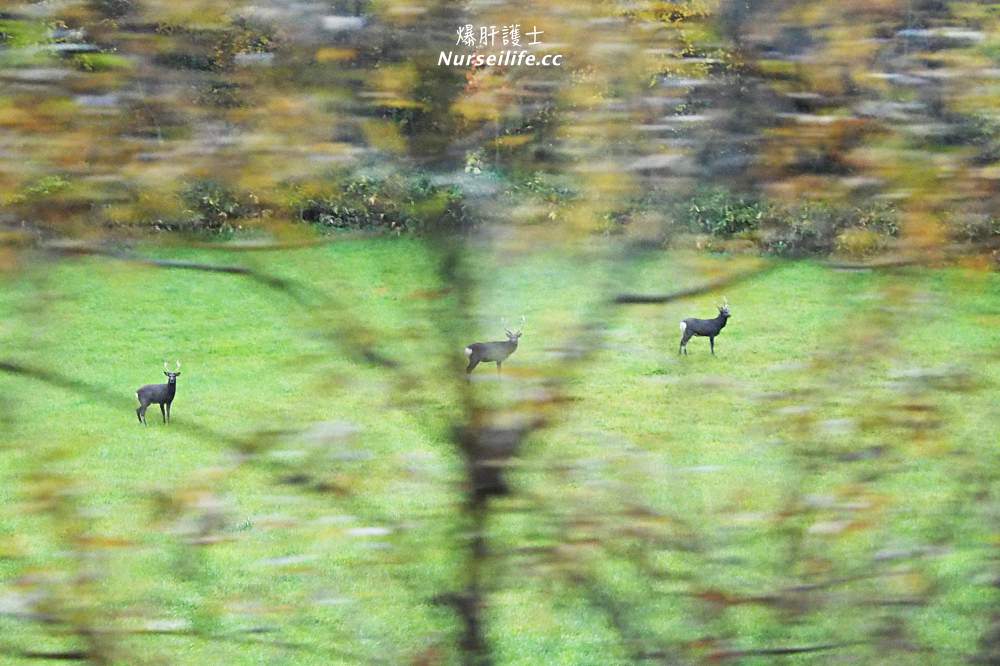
(497, 352)
(708, 328)
(161, 394)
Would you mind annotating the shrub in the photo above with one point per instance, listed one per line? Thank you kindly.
(881, 217)
(720, 212)
(975, 229)
(396, 204)
(40, 189)
(815, 227)
(808, 228)
(858, 243)
(213, 206)
(101, 62)
(551, 194)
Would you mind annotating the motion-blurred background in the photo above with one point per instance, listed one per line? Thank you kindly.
(299, 202)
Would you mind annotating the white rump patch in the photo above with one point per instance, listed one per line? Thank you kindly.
(683, 326)
(468, 351)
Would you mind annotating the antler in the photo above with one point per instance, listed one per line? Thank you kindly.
(503, 322)
(178, 365)
(166, 368)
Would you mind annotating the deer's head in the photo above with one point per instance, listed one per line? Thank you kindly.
(514, 335)
(724, 308)
(172, 376)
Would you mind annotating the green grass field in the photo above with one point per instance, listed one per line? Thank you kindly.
(847, 417)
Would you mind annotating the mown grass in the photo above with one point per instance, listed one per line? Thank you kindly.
(803, 406)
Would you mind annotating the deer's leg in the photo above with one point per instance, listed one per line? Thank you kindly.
(711, 343)
(138, 413)
(498, 366)
(142, 412)
(163, 412)
(473, 362)
(684, 342)
(168, 412)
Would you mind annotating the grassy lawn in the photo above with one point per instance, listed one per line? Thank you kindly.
(847, 418)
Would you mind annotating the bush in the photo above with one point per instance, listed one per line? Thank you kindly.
(40, 189)
(809, 228)
(720, 212)
(975, 229)
(213, 206)
(880, 216)
(815, 228)
(859, 243)
(396, 204)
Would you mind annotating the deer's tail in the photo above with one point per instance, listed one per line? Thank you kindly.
(468, 351)
(684, 326)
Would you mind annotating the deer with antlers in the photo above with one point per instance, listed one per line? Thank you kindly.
(708, 328)
(161, 394)
(496, 352)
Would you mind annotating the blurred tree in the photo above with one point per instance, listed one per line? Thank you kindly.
(864, 128)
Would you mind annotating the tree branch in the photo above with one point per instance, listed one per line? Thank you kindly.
(708, 287)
